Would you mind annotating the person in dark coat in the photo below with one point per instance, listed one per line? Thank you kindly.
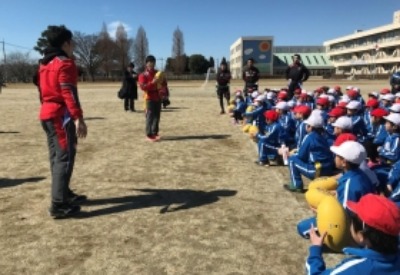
(296, 73)
(223, 79)
(129, 87)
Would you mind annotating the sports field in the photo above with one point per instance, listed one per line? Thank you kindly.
(193, 203)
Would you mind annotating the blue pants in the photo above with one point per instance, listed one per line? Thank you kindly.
(303, 227)
(266, 151)
(382, 173)
(297, 167)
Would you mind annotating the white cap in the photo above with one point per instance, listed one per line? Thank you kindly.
(395, 108)
(331, 98)
(315, 120)
(394, 118)
(270, 95)
(310, 93)
(323, 96)
(353, 105)
(291, 104)
(305, 91)
(349, 88)
(282, 105)
(254, 94)
(374, 93)
(351, 151)
(331, 91)
(388, 97)
(356, 89)
(343, 122)
(345, 98)
(316, 112)
(397, 94)
(260, 98)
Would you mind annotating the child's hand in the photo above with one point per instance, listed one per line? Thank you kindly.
(315, 238)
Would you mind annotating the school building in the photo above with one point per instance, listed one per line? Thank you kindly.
(370, 52)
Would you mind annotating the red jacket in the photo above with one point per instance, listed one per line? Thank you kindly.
(58, 89)
(150, 90)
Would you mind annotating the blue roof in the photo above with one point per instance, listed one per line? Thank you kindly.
(310, 60)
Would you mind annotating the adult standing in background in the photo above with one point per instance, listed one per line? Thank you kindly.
(61, 116)
(250, 76)
(148, 83)
(296, 74)
(223, 79)
(129, 85)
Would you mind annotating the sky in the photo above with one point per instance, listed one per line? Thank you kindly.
(209, 27)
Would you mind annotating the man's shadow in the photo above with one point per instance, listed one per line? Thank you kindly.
(9, 132)
(170, 200)
(4, 182)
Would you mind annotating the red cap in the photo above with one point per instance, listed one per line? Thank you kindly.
(373, 103)
(282, 95)
(297, 91)
(302, 109)
(342, 104)
(352, 93)
(344, 137)
(337, 112)
(322, 101)
(379, 112)
(385, 91)
(377, 212)
(337, 88)
(303, 96)
(271, 115)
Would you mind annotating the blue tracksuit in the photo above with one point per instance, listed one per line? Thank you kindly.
(359, 128)
(314, 150)
(329, 133)
(289, 128)
(389, 154)
(269, 142)
(379, 133)
(352, 185)
(300, 133)
(364, 261)
(367, 121)
(258, 116)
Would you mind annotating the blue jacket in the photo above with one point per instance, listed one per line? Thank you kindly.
(329, 133)
(352, 185)
(367, 122)
(379, 133)
(390, 150)
(359, 129)
(394, 181)
(363, 262)
(258, 115)
(272, 135)
(241, 107)
(314, 149)
(300, 133)
(289, 128)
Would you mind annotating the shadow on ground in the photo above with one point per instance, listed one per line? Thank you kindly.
(95, 118)
(4, 182)
(170, 200)
(9, 132)
(166, 138)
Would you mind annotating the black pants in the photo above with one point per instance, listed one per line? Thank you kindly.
(129, 104)
(292, 86)
(372, 150)
(249, 88)
(153, 114)
(61, 142)
(221, 94)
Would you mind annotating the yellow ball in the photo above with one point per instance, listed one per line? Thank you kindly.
(253, 130)
(231, 107)
(246, 128)
(249, 109)
(315, 196)
(232, 102)
(325, 183)
(331, 218)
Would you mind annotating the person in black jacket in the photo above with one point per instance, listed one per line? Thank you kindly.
(223, 79)
(129, 86)
(250, 76)
(296, 73)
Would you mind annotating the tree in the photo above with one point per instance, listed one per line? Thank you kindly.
(123, 45)
(212, 62)
(20, 68)
(87, 55)
(178, 52)
(198, 64)
(140, 49)
(105, 47)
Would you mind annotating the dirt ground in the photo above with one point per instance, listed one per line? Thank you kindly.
(194, 203)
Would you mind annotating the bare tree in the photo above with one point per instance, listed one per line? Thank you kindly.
(106, 48)
(20, 67)
(86, 53)
(123, 45)
(140, 48)
(178, 52)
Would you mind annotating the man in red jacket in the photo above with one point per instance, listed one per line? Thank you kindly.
(61, 116)
(148, 83)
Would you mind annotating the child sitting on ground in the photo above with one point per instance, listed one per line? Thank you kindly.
(375, 227)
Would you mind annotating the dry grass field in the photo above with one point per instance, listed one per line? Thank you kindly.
(193, 203)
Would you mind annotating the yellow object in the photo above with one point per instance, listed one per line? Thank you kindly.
(325, 183)
(253, 130)
(331, 218)
(231, 107)
(249, 109)
(317, 169)
(232, 102)
(160, 79)
(246, 128)
(315, 196)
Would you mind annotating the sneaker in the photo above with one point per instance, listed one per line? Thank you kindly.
(290, 188)
(72, 197)
(64, 210)
(261, 163)
(222, 112)
(151, 138)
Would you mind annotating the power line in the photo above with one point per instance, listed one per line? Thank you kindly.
(16, 46)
